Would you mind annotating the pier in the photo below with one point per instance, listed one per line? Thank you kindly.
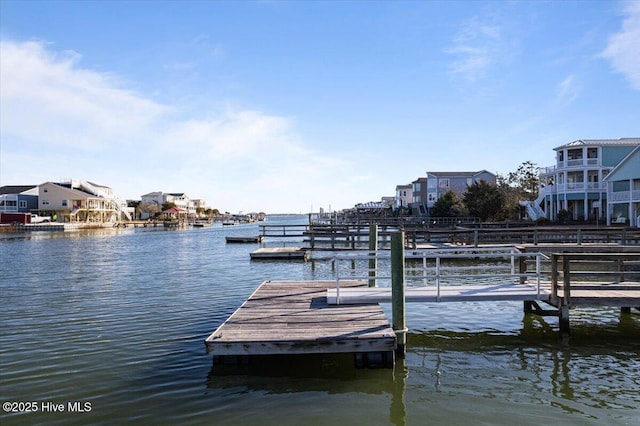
(420, 234)
(293, 317)
(345, 316)
(280, 253)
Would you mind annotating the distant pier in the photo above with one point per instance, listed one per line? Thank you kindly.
(243, 238)
(280, 253)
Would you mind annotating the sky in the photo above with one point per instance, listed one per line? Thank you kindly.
(289, 107)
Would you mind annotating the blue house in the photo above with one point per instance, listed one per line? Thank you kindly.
(623, 191)
(18, 198)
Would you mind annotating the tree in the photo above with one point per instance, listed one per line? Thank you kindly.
(151, 209)
(518, 186)
(449, 206)
(168, 205)
(485, 201)
(525, 179)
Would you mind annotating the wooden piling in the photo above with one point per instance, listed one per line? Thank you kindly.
(566, 299)
(397, 292)
(373, 249)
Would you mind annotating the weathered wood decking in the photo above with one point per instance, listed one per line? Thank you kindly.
(293, 317)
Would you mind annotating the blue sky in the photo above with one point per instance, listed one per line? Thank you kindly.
(292, 106)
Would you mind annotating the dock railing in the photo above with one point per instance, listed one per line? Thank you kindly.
(593, 272)
(594, 279)
(445, 267)
(283, 231)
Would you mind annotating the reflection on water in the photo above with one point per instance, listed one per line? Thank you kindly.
(119, 317)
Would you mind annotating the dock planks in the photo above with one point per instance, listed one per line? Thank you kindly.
(293, 317)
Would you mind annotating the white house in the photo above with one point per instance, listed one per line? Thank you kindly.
(577, 182)
(151, 203)
(75, 200)
(404, 196)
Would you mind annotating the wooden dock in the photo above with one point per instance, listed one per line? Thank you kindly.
(293, 317)
(243, 238)
(280, 253)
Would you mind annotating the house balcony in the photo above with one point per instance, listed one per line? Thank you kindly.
(574, 164)
(562, 188)
(625, 196)
(581, 186)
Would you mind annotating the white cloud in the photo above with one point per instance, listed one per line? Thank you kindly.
(60, 120)
(623, 49)
(477, 47)
(567, 90)
(46, 100)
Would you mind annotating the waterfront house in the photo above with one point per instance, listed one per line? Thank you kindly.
(426, 191)
(404, 197)
(151, 203)
(18, 198)
(623, 191)
(576, 183)
(81, 201)
(419, 197)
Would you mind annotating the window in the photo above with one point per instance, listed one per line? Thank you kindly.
(443, 183)
(575, 154)
(64, 203)
(23, 204)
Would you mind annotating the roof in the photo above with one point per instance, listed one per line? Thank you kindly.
(174, 210)
(373, 205)
(622, 164)
(601, 142)
(15, 189)
(457, 174)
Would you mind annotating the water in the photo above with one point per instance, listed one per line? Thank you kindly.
(117, 319)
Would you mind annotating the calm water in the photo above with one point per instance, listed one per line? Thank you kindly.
(117, 319)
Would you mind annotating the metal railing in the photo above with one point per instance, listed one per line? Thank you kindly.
(436, 268)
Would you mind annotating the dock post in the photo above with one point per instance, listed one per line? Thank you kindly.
(373, 252)
(563, 314)
(579, 237)
(397, 292)
(563, 311)
(475, 238)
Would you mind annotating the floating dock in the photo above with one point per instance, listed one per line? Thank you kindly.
(243, 238)
(290, 253)
(293, 317)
